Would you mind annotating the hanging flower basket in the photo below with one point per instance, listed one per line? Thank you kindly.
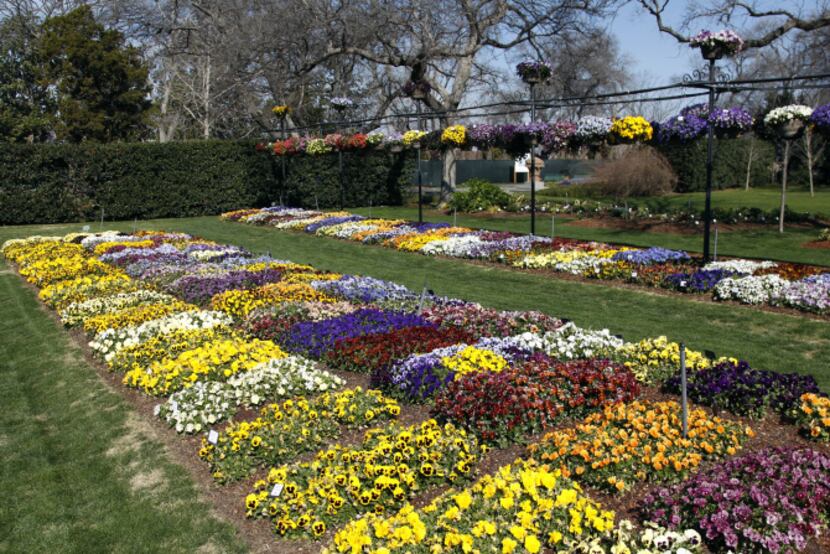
(341, 103)
(788, 121)
(534, 72)
(281, 112)
(417, 89)
(820, 119)
(790, 129)
(718, 44)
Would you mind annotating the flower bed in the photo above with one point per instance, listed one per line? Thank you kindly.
(524, 507)
(315, 338)
(734, 386)
(216, 360)
(376, 352)
(343, 483)
(641, 441)
(772, 500)
(272, 322)
(487, 322)
(813, 416)
(195, 409)
(528, 398)
(650, 267)
(298, 425)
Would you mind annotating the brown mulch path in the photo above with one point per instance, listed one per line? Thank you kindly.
(821, 244)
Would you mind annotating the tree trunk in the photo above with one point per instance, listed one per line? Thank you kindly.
(784, 186)
(749, 163)
(448, 174)
(206, 102)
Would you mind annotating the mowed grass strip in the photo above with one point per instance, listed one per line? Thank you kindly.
(80, 470)
(763, 243)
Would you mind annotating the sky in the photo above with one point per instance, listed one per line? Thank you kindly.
(655, 58)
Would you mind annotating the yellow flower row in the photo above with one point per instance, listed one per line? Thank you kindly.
(283, 430)
(474, 360)
(381, 226)
(239, 303)
(523, 507)
(342, 483)
(61, 294)
(104, 246)
(134, 316)
(655, 359)
(213, 361)
(639, 441)
(412, 242)
(165, 347)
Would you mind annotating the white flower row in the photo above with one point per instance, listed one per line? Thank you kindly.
(345, 230)
(788, 113)
(747, 267)
(107, 343)
(205, 403)
(753, 289)
(457, 247)
(570, 342)
(77, 312)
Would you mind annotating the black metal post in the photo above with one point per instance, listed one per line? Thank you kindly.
(420, 179)
(710, 137)
(532, 173)
(342, 186)
(282, 161)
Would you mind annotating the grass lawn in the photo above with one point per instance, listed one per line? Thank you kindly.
(767, 198)
(766, 244)
(81, 471)
(766, 340)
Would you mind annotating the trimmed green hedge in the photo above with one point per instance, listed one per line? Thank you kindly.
(54, 183)
(375, 177)
(729, 163)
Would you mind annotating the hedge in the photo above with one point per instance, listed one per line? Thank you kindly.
(55, 183)
(729, 163)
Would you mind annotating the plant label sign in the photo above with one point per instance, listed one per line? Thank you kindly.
(213, 437)
(276, 490)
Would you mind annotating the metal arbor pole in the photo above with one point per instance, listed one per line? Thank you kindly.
(282, 160)
(707, 212)
(420, 179)
(532, 163)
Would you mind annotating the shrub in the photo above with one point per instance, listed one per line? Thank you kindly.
(481, 196)
(729, 163)
(641, 171)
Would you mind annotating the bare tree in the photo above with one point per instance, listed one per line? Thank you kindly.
(440, 42)
(779, 21)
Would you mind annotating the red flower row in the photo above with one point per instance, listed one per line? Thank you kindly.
(531, 397)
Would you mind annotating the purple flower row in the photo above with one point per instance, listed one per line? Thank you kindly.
(773, 500)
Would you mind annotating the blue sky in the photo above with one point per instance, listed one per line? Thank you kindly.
(654, 57)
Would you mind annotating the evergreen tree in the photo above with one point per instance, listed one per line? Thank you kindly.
(101, 84)
(27, 108)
